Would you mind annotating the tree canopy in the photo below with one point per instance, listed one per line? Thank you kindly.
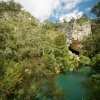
(96, 9)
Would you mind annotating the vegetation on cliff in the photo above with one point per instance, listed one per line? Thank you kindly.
(33, 53)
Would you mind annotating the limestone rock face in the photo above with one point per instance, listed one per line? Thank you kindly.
(77, 31)
(76, 45)
(80, 31)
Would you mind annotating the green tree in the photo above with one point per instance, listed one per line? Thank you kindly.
(61, 52)
(96, 9)
(7, 6)
(92, 45)
(94, 87)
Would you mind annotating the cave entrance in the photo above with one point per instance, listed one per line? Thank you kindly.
(74, 51)
(75, 47)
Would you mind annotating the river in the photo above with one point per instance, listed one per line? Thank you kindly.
(72, 84)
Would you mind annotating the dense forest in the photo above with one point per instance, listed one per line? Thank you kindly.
(33, 53)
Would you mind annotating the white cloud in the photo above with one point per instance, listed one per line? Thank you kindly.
(71, 4)
(75, 14)
(43, 9)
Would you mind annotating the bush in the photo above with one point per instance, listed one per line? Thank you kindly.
(84, 60)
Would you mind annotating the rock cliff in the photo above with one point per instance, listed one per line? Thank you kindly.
(79, 29)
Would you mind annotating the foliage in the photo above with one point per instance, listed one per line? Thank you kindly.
(96, 61)
(31, 54)
(84, 60)
(91, 44)
(9, 6)
(96, 9)
(94, 87)
(61, 52)
(91, 49)
(96, 26)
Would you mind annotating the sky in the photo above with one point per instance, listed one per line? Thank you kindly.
(54, 10)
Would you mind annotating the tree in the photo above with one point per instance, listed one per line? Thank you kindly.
(96, 9)
(91, 45)
(9, 6)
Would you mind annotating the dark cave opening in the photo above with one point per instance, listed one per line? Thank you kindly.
(74, 51)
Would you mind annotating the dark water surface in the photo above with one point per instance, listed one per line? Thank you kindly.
(72, 85)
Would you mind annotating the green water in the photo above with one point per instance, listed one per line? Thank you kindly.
(73, 84)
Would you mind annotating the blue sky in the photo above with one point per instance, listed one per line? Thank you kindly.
(57, 9)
